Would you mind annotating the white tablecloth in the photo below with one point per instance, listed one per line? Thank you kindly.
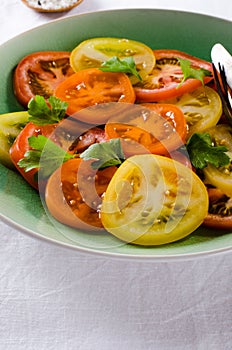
(54, 298)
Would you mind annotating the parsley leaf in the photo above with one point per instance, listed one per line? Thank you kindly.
(201, 151)
(194, 73)
(42, 114)
(52, 158)
(124, 65)
(105, 154)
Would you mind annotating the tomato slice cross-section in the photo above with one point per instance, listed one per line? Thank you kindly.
(149, 127)
(39, 73)
(164, 81)
(93, 52)
(153, 200)
(202, 108)
(220, 177)
(220, 210)
(91, 88)
(74, 193)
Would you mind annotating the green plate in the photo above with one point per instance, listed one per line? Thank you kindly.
(20, 205)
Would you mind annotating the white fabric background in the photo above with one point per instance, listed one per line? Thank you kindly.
(54, 298)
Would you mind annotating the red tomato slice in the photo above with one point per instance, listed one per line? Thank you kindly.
(91, 88)
(162, 83)
(39, 73)
(220, 210)
(21, 146)
(74, 194)
(59, 134)
(154, 128)
(93, 135)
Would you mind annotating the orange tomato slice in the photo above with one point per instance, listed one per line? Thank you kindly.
(149, 128)
(92, 87)
(74, 194)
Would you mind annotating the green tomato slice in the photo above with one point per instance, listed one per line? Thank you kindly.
(93, 52)
(10, 126)
(153, 200)
(202, 108)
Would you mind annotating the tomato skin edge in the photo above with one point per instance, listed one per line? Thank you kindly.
(218, 222)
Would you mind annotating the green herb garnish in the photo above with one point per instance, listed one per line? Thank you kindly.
(124, 65)
(104, 154)
(194, 73)
(42, 114)
(52, 158)
(202, 151)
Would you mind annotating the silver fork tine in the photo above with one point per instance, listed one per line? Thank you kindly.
(224, 82)
(223, 91)
(215, 73)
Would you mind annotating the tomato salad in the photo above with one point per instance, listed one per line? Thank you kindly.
(124, 139)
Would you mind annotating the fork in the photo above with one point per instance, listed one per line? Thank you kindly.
(223, 89)
(222, 69)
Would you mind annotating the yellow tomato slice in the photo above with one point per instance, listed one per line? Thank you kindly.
(153, 200)
(202, 108)
(10, 126)
(221, 177)
(93, 52)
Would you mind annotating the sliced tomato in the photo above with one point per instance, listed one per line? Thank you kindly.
(221, 135)
(218, 222)
(220, 177)
(149, 127)
(21, 146)
(220, 210)
(93, 52)
(10, 126)
(202, 108)
(153, 200)
(88, 138)
(91, 88)
(39, 73)
(74, 194)
(163, 82)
